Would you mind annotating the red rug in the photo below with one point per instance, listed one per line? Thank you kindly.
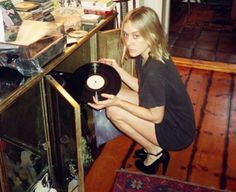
(138, 182)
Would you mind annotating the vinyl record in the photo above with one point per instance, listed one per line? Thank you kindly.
(93, 79)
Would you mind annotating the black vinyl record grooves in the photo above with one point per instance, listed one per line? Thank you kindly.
(92, 79)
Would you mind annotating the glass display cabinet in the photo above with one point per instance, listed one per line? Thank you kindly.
(41, 134)
(41, 143)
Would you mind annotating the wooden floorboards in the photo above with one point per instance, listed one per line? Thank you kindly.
(209, 161)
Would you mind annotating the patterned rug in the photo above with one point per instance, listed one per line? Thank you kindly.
(138, 182)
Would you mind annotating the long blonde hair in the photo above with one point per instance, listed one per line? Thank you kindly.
(148, 24)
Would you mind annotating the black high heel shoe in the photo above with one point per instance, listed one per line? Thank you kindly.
(152, 169)
(140, 153)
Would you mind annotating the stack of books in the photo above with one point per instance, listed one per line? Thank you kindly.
(29, 10)
(47, 7)
(98, 7)
(90, 19)
(35, 10)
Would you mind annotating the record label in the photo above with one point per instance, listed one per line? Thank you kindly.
(93, 79)
(95, 82)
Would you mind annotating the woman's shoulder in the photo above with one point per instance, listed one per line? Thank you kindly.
(161, 61)
(160, 64)
(154, 67)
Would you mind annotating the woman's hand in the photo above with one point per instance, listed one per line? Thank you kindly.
(111, 100)
(110, 62)
(126, 77)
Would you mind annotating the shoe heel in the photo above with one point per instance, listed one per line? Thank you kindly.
(165, 164)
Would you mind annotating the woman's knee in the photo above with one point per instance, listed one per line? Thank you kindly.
(113, 113)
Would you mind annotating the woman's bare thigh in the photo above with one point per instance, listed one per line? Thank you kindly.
(128, 95)
(143, 127)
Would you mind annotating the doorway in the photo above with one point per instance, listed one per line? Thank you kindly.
(203, 30)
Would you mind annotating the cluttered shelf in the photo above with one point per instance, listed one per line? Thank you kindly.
(70, 49)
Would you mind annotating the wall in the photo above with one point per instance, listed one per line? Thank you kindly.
(162, 7)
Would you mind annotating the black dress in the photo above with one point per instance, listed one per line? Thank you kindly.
(161, 85)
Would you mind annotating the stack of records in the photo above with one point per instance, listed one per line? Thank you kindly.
(35, 10)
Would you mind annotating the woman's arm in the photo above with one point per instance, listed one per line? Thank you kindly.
(154, 115)
(127, 78)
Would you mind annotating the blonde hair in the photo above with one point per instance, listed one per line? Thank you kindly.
(148, 25)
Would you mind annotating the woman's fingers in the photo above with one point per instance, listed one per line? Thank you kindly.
(110, 62)
(108, 96)
(104, 103)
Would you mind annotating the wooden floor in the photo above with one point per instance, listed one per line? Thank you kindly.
(209, 161)
(207, 32)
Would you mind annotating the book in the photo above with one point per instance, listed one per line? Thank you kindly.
(48, 10)
(99, 8)
(90, 19)
(38, 1)
(48, 5)
(26, 6)
(103, 14)
(104, 3)
(97, 3)
(25, 15)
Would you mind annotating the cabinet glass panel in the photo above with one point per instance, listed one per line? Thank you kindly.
(22, 137)
(65, 134)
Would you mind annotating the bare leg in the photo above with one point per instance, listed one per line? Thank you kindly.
(140, 130)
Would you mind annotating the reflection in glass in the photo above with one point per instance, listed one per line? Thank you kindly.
(22, 166)
(9, 80)
(22, 133)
